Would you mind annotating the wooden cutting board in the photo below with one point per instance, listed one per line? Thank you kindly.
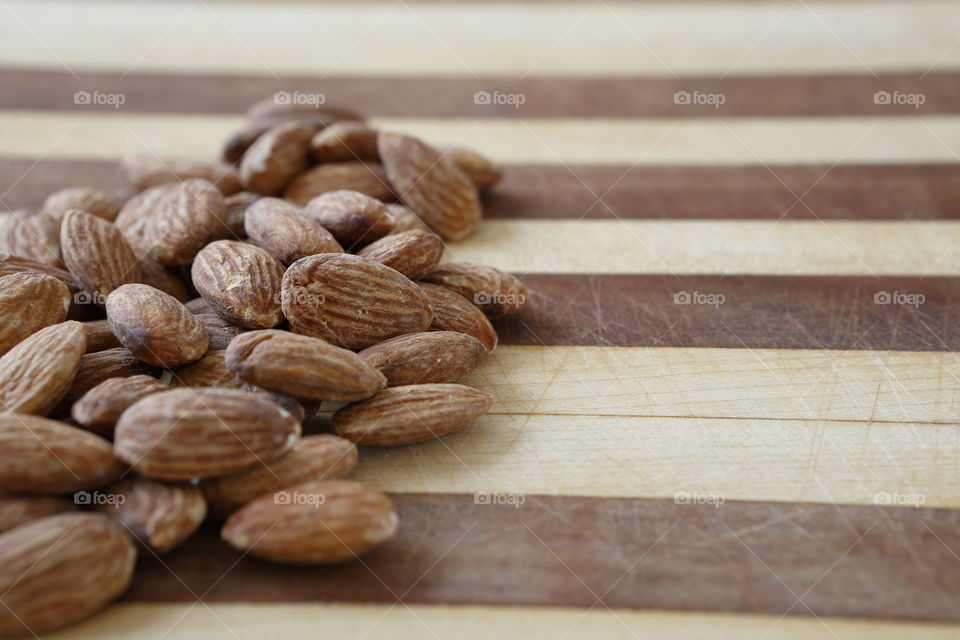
(730, 408)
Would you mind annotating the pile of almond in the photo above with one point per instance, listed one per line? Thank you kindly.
(160, 351)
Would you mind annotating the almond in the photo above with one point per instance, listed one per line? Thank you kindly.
(431, 185)
(453, 312)
(93, 201)
(350, 301)
(62, 569)
(96, 367)
(276, 157)
(37, 372)
(302, 366)
(97, 254)
(495, 292)
(321, 457)
(209, 371)
(99, 336)
(10, 264)
(420, 358)
(352, 217)
(159, 516)
(324, 522)
(44, 456)
(32, 236)
(344, 142)
(237, 206)
(29, 302)
(100, 408)
(154, 326)
(135, 212)
(240, 282)
(201, 433)
(404, 219)
(219, 331)
(484, 173)
(412, 253)
(238, 142)
(402, 415)
(186, 218)
(281, 229)
(271, 108)
(368, 178)
(199, 306)
(18, 510)
(143, 171)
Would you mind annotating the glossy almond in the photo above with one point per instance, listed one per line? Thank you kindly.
(100, 408)
(302, 366)
(453, 312)
(44, 456)
(99, 366)
(186, 218)
(29, 301)
(219, 331)
(420, 358)
(366, 177)
(345, 142)
(324, 522)
(32, 236)
(200, 433)
(37, 372)
(495, 292)
(93, 201)
(158, 515)
(209, 371)
(97, 254)
(154, 326)
(16, 510)
(241, 282)
(60, 570)
(276, 157)
(431, 185)
(280, 228)
(147, 170)
(350, 301)
(320, 457)
(412, 253)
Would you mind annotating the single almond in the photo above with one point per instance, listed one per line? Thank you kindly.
(420, 358)
(136, 212)
(16, 510)
(350, 301)
(200, 433)
(483, 172)
(276, 157)
(495, 292)
(302, 366)
(412, 253)
(45, 456)
(209, 371)
(241, 282)
(97, 254)
(324, 522)
(37, 372)
(99, 336)
(344, 142)
(453, 312)
(33, 236)
(320, 457)
(186, 219)
(280, 228)
(60, 570)
(29, 301)
(100, 408)
(368, 178)
(158, 515)
(93, 201)
(146, 170)
(219, 331)
(352, 217)
(96, 367)
(402, 415)
(431, 185)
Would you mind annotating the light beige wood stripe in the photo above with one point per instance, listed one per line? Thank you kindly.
(480, 38)
(400, 622)
(91, 134)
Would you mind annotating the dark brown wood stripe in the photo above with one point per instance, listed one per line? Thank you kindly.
(595, 97)
(854, 192)
(773, 312)
(770, 558)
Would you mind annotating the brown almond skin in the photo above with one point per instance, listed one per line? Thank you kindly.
(137, 211)
(403, 415)
(302, 366)
(158, 515)
(154, 326)
(431, 185)
(97, 254)
(99, 336)
(344, 142)
(199, 306)
(280, 228)
(10, 264)
(353, 218)
(350, 301)
(240, 282)
(495, 292)
(412, 253)
(276, 157)
(163, 278)
(404, 219)
(147, 170)
(32, 236)
(93, 201)
(96, 367)
(421, 358)
(320, 457)
(453, 312)
(366, 177)
(209, 371)
(325, 522)
(201, 433)
(483, 172)
(59, 570)
(44, 456)
(219, 331)
(37, 372)
(16, 510)
(186, 219)
(237, 206)
(100, 408)
(29, 302)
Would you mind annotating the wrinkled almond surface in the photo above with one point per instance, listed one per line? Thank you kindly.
(97, 254)
(453, 312)
(100, 408)
(186, 218)
(412, 253)
(353, 218)
(37, 372)
(420, 358)
(495, 292)
(281, 229)
(276, 157)
(241, 282)
(88, 199)
(366, 177)
(29, 301)
(154, 326)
